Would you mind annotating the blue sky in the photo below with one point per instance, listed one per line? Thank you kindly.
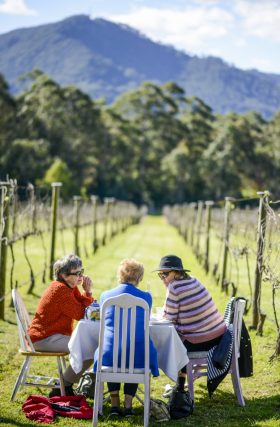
(242, 32)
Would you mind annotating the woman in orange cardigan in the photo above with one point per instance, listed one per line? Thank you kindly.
(61, 304)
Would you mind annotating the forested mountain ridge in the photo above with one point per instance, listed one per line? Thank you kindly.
(106, 59)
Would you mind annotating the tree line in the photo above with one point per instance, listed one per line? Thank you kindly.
(153, 145)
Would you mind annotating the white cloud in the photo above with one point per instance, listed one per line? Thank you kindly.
(188, 28)
(16, 7)
(260, 19)
(240, 42)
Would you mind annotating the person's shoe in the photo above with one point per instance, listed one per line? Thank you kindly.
(128, 412)
(167, 390)
(68, 391)
(115, 411)
(55, 392)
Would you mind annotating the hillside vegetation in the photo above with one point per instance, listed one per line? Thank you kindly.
(154, 145)
(105, 59)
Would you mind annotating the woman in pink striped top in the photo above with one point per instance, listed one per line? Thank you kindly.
(189, 305)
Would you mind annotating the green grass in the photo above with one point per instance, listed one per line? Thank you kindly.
(146, 242)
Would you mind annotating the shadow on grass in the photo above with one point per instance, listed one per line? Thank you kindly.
(11, 422)
(221, 410)
(11, 322)
(223, 407)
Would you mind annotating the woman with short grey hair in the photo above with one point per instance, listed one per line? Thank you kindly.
(65, 265)
(61, 304)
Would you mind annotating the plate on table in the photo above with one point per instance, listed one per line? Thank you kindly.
(154, 321)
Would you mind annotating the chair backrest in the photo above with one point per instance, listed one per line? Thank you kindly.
(23, 321)
(125, 308)
(239, 308)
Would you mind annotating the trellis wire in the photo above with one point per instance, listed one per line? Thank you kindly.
(30, 216)
(241, 247)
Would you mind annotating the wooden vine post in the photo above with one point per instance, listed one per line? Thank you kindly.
(208, 207)
(118, 216)
(94, 201)
(77, 208)
(4, 231)
(198, 227)
(106, 220)
(228, 207)
(192, 222)
(185, 219)
(32, 199)
(259, 260)
(55, 196)
(113, 216)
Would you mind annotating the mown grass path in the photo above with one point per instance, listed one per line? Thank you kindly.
(147, 242)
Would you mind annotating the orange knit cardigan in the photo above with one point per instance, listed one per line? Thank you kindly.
(58, 307)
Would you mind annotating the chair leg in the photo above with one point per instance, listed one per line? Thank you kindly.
(146, 403)
(60, 374)
(63, 363)
(100, 405)
(235, 377)
(190, 379)
(21, 377)
(96, 400)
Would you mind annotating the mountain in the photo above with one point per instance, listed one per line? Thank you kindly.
(106, 59)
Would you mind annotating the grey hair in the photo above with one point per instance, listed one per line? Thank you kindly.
(66, 264)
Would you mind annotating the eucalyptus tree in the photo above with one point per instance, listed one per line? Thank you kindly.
(26, 159)
(198, 120)
(40, 111)
(234, 163)
(69, 120)
(84, 134)
(272, 149)
(118, 173)
(8, 123)
(153, 111)
(59, 172)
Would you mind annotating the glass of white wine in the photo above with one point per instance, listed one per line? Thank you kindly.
(159, 312)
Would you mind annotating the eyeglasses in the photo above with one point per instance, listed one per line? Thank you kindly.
(77, 273)
(164, 274)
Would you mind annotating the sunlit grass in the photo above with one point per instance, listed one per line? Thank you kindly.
(147, 242)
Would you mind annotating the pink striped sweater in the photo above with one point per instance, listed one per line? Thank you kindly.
(189, 305)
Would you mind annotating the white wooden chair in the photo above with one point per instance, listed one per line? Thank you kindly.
(27, 350)
(123, 304)
(197, 366)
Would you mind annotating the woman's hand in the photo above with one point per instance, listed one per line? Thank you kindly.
(87, 284)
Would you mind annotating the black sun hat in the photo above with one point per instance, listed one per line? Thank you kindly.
(171, 262)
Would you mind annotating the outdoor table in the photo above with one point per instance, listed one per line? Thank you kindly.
(172, 354)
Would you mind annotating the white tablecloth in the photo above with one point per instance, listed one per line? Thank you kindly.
(172, 354)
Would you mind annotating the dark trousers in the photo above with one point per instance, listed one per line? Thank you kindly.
(202, 346)
(128, 388)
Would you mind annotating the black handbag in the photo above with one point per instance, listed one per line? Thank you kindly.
(180, 404)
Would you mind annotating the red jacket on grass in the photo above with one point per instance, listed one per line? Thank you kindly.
(43, 409)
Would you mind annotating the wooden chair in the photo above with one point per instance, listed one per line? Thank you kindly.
(123, 304)
(27, 350)
(197, 366)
